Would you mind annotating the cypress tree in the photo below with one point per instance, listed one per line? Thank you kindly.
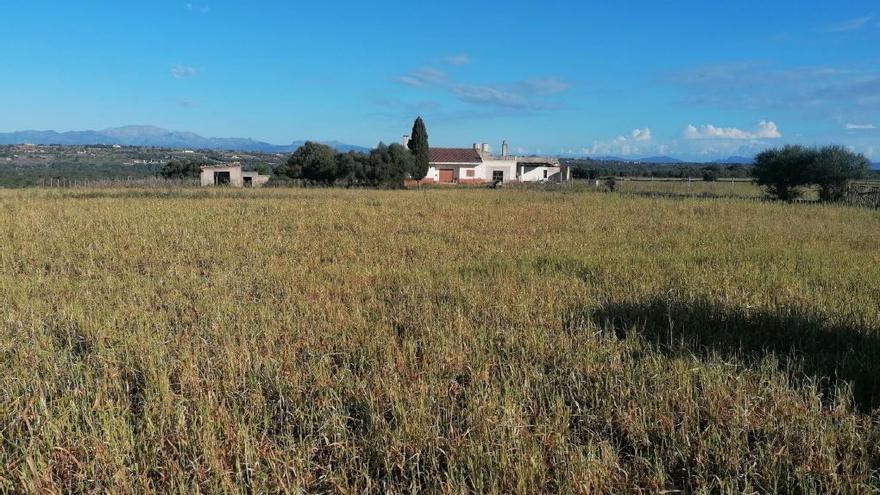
(418, 144)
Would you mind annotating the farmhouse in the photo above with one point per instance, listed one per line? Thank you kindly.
(230, 174)
(477, 165)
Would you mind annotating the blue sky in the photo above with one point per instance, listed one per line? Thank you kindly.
(693, 79)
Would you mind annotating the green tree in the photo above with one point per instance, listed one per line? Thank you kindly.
(611, 183)
(291, 169)
(352, 167)
(783, 172)
(389, 164)
(402, 163)
(710, 173)
(833, 169)
(312, 161)
(418, 145)
(181, 169)
(261, 168)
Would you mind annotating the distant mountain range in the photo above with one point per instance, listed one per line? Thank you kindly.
(141, 135)
(736, 160)
(668, 160)
(145, 135)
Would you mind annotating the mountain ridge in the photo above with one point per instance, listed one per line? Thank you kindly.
(146, 135)
(668, 160)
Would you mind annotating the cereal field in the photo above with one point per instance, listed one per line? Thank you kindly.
(435, 341)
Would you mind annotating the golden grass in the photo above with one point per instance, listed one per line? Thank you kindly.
(449, 341)
(696, 187)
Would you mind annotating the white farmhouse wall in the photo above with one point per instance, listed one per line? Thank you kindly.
(524, 169)
(506, 166)
(462, 173)
(536, 174)
(459, 171)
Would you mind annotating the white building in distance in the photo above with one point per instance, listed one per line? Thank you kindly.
(477, 165)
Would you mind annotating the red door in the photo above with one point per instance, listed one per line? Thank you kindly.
(447, 175)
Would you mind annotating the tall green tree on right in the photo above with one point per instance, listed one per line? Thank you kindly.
(418, 145)
(784, 172)
(834, 168)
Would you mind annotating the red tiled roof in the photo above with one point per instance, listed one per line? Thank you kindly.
(455, 155)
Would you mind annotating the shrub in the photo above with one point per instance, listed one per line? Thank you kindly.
(261, 168)
(318, 163)
(611, 183)
(784, 172)
(389, 164)
(833, 169)
(710, 174)
(181, 169)
(312, 161)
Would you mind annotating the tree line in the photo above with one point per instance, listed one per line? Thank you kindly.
(595, 169)
(784, 173)
(319, 164)
(315, 163)
(385, 165)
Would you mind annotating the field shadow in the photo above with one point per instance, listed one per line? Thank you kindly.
(819, 349)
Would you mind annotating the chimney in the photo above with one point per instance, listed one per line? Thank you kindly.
(477, 147)
(406, 139)
(485, 148)
(505, 149)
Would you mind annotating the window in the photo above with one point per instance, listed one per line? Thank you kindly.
(497, 176)
(545, 173)
(470, 172)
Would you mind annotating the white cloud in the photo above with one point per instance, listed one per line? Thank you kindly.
(764, 130)
(642, 135)
(457, 60)
(547, 86)
(491, 95)
(527, 95)
(638, 142)
(202, 9)
(860, 126)
(423, 78)
(819, 91)
(856, 24)
(183, 72)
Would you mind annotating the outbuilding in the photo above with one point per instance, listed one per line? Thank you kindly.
(231, 174)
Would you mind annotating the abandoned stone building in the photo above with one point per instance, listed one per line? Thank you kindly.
(231, 174)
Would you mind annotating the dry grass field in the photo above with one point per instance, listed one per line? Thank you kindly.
(435, 341)
(720, 189)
